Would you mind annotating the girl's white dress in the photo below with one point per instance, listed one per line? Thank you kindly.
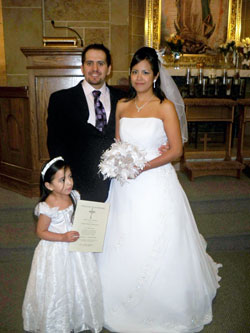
(155, 272)
(63, 291)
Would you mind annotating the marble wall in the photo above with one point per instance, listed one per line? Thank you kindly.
(117, 24)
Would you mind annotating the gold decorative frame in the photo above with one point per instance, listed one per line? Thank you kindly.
(153, 28)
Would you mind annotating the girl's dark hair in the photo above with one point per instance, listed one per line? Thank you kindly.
(49, 176)
(149, 54)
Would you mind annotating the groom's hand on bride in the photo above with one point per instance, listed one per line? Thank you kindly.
(164, 148)
(137, 172)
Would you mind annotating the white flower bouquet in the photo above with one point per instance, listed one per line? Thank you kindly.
(122, 161)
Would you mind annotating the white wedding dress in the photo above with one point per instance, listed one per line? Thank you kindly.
(156, 275)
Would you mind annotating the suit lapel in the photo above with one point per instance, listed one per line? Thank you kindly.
(113, 102)
(80, 100)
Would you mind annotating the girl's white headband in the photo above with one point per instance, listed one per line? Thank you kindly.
(48, 165)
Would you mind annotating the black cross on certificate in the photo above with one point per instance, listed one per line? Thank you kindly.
(92, 211)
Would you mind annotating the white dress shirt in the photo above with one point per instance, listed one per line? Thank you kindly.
(104, 97)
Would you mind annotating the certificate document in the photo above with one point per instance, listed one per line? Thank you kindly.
(90, 221)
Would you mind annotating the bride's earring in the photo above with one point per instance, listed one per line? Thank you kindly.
(154, 83)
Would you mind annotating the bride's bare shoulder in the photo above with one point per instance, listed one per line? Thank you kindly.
(167, 109)
(123, 106)
(166, 103)
(123, 100)
(123, 103)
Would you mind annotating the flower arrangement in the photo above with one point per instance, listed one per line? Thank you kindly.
(175, 43)
(246, 52)
(122, 161)
(239, 46)
(239, 49)
(227, 47)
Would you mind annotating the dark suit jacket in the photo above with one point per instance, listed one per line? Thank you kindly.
(80, 143)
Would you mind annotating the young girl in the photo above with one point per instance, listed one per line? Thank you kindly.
(63, 293)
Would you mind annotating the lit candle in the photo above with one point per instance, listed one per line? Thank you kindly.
(188, 75)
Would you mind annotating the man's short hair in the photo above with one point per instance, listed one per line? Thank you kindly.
(100, 47)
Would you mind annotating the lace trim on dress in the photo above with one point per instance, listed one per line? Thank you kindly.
(44, 208)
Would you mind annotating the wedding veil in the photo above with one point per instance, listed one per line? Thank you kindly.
(172, 93)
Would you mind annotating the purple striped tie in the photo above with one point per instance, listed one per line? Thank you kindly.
(101, 119)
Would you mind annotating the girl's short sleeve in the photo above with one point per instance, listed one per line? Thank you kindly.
(43, 208)
(76, 195)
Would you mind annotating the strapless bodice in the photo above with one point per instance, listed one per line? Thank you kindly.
(147, 134)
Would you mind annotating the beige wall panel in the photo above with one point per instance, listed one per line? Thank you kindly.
(130, 6)
(22, 3)
(138, 25)
(23, 27)
(77, 25)
(119, 12)
(138, 7)
(53, 32)
(136, 28)
(87, 24)
(119, 49)
(137, 42)
(97, 36)
(130, 27)
(79, 10)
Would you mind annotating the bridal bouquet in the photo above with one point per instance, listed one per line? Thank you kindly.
(122, 161)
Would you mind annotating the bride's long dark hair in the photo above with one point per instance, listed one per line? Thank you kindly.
(149, 54)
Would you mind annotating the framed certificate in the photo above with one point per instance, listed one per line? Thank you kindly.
(90, 221)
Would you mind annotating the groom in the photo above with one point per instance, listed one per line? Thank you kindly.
(74, 128)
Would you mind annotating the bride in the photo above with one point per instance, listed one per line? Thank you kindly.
(156, 274)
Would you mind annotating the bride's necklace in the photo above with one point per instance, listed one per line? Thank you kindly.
(140, 107)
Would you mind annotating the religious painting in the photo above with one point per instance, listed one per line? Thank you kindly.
(202, 24)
